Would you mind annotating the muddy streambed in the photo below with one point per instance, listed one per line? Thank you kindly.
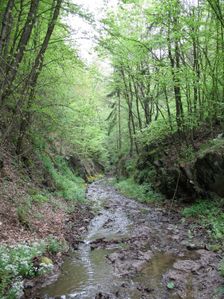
(135, 251)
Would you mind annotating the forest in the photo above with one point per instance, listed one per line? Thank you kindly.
(112, 155)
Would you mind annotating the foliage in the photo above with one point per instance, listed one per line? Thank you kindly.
(67, 183)
(54, 246)
(39, 198)
(16, 263)
(163, 82)
(210, 215)
(143, 193)
(187, 154)
(166, 60)
(170, 285)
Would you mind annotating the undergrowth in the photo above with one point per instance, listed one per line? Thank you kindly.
(68, 185)
(17, 263)
(143, 193)
(210, 215)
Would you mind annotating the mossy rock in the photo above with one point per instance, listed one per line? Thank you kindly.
(46, 261)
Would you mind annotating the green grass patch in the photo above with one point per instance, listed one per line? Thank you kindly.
(68, 185)
(143, 193)
(210, 215)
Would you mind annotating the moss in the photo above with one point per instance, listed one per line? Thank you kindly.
(46, 261)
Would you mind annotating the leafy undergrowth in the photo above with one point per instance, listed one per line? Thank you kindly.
(24, 261)
(142, 193)
(210, 214)
(67, 184)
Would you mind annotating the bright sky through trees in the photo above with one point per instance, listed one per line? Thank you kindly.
(83, 34)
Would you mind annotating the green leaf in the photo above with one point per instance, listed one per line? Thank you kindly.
(170, 285)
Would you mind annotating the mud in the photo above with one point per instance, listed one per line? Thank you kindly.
(136, 251)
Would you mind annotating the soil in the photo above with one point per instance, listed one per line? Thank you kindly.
(38, 220)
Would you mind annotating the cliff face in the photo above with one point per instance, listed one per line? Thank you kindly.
(198, 174)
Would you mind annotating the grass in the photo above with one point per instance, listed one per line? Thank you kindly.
(210, 215)
(142, 193)
(68, 185)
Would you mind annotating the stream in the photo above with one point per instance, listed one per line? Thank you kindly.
(132, 250)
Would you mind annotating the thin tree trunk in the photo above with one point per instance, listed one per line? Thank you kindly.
(12, 68)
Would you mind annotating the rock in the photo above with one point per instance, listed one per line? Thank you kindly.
(197, 178)
(147, 255)
(187, 266)
(29, 284)
(45, 260)
(101, 295)
(114, 257)
(176, 237)
(221, 135)
(195, 246)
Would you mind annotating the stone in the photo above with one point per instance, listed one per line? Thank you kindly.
(45, 260)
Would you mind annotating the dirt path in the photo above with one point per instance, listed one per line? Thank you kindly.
(135, 251)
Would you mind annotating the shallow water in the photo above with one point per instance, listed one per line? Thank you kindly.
(86, 272)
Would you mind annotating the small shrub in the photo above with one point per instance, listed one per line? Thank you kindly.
(23, 215)
(54, 246)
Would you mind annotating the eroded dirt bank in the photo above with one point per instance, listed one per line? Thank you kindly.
(136, 251)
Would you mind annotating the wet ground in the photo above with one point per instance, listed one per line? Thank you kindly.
(135, 251)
